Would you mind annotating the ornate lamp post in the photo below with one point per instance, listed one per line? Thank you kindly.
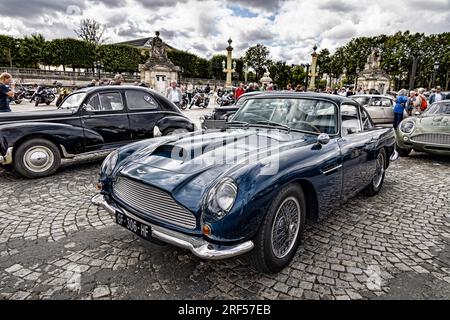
(307, 66)
(357, 73)
(436, 68)
(229, 70)
(313, 74)
(245, 71)
(98, 65)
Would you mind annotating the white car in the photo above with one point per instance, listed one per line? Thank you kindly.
(380, 108)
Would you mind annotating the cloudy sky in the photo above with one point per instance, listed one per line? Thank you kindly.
(288, 28)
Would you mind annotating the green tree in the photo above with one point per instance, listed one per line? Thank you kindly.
(9, 51)
(298, 75)
(31, 49)
(185, 60)
(257, 58)
(69, 52)
(216, 68)
(280, 73)
(202, 68)
(120, 58)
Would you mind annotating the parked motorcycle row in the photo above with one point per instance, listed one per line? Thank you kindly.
(199, 99)
(40, 95)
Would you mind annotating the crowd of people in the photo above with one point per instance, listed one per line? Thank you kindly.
(415, 102)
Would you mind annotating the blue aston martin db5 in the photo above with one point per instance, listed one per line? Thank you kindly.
(248, 188)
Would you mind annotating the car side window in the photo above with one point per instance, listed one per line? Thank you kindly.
(386, 102)
(350, 119)
(94, 104)
(111, 101)
(366, 121)
(376, 101)
(137, 100)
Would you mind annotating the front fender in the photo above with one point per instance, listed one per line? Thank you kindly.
(174, 121)
(69, 136)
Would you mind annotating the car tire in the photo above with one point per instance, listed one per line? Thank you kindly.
(402, 152)
(36, 103)
(173, 131)
(265, 257)
(377, 182)
(37, 158)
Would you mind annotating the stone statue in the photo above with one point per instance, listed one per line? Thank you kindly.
(158, 51)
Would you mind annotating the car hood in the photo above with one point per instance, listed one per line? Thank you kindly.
(436, 123)
(187, 166)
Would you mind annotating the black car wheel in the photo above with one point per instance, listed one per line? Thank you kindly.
(37, 158)
(402, 152)
(278, 238)
(380, 171)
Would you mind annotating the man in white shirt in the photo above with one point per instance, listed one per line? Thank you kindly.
(174, 94)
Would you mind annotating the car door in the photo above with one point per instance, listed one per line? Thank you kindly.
(143, 112)
(375, 109)
(356, 145)
(388, 110)
(105, 121)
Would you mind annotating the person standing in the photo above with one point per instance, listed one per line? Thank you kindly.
(5, 92)
(189, 91)
(413, 103)
(118, 79)
(437, 96)
(239, 91)
(399, 108)
(174, 94)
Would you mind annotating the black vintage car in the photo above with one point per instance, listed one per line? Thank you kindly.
(89, 120)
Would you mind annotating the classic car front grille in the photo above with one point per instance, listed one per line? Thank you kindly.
(153, 202)
(435, 138)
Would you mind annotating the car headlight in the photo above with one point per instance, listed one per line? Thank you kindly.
(407, 126)
(221, 198)
(110, 163)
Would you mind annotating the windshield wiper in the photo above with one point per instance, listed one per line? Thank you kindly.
(275, 124)
(242, 123)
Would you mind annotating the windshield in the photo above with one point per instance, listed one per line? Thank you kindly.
(73, 101)
(309, 115)
(437, 108)
(362, 100)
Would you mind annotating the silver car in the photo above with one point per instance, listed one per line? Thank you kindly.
(380, 108)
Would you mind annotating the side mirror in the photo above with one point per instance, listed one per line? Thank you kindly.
(323, 139)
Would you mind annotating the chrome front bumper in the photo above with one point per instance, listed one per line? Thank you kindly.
(8, 157)
(197, 245)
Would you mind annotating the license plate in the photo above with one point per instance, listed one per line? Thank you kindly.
(142, 230)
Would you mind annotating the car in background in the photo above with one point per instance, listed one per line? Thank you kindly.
(248, 188)
(88, 120)
(219, 116)
(380, 108)
(428, 132)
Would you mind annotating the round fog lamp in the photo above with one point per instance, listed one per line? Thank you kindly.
(206, 230)
(405, 138)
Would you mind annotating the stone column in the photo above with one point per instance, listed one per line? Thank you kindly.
(313, 74)
(229, 70)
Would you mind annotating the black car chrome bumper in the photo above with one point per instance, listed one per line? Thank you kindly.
(197, 245)
(8, 157)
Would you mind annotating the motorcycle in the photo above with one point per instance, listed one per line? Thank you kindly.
(43, 95)
(184, 102)
(227, 99)
(200, 99)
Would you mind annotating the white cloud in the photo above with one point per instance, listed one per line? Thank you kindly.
(289, 28)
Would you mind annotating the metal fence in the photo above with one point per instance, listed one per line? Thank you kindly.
(24, 73)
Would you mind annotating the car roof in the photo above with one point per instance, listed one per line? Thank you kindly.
(371, 96)
(289, 94)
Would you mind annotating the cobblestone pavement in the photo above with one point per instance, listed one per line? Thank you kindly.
(54, 244)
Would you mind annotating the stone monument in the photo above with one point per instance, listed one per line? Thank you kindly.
(266, 79)
(373, 78)
(158, 71)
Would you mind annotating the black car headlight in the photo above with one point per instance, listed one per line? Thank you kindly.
(110, 163)
(407, 126)
(221, 198)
